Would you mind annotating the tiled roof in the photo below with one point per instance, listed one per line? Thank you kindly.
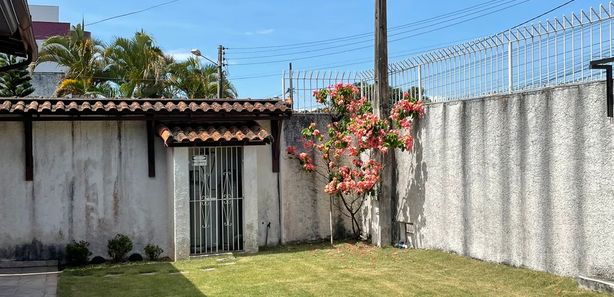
(251, 132)
(140, 106)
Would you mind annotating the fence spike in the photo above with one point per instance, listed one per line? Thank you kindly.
(452, 72)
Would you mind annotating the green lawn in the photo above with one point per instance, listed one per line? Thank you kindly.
(348, 269)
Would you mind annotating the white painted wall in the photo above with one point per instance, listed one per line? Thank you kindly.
(524, 179)
(250, 199)
(90, 182)
(268, 197)
(45, 13)
(179, 198)
(305, 205)
(45, 83)
(47, 67)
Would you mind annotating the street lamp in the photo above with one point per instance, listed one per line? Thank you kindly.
(220, 73)
(196, 52)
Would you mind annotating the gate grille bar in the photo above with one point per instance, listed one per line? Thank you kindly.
(216, 200)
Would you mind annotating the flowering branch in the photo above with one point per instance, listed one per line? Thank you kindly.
(354, 134)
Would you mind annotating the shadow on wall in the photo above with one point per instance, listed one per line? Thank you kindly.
(306, 205)
(34, 250)
(410, 207)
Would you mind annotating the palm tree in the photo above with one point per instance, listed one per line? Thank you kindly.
(82, 58)
(139, 66)
(70, 86)
(195, 80)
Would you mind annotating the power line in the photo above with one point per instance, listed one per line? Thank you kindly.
(254, 76)
(424, 49)
(414, 51)
(403, 32)
(390, 41)
(447, 26)
(370, 39)
(132, 12)
(543, 14)
(356, 36)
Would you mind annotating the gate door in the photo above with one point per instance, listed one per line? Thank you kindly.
(216, 200)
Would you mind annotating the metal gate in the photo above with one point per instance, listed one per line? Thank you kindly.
(216, 200)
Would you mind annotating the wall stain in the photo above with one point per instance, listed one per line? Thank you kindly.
(116, 185)
(36, 250)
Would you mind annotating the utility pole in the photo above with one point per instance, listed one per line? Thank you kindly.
(381, 223)
(291, 89)
(220, 72)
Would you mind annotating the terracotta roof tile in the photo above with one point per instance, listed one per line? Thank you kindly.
(105, 106)
(195, 134)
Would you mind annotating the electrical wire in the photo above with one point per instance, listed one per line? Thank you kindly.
(132, 12)
(390, 41)
(238, 50)
(370, 39)
(415, 51)
(543, 14)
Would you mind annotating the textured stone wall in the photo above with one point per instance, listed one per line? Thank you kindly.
(45, 83)
(305, 206)
(525, 179)
(90, 182)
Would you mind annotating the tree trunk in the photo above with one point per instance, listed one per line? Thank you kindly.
(330, 218)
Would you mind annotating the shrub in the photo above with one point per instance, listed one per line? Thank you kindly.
(166, 259)
(118, 247)
(77, 252)
(136, 257)
(98, 260)
(153, 252)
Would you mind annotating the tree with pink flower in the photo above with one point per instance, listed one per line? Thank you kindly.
(346, 150)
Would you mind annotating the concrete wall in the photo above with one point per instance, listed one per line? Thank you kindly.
(268, 193)
(45, 83)
(524, 179)
(305, 206)
(178, 182)
(44, 13)
(90, 182)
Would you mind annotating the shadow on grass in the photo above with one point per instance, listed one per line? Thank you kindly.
(298, 247)
(130, 279)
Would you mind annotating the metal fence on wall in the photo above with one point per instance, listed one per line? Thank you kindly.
(529, 57)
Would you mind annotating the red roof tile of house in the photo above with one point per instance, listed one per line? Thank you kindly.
(140, 106)
(244, 133)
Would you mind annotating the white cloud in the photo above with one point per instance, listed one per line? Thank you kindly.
(260, 32)
(179, 54)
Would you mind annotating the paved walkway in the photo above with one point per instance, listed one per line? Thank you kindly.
(37, 284)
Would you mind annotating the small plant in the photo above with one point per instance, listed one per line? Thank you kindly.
(118, 247)
(136, 257)
(77, 252)
(98, 260)
(153, 252)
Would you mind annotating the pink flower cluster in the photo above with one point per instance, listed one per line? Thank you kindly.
(306, 160)
(354, 131)
(405, 110)
(354, 180)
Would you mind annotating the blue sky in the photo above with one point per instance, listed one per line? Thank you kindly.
(186, 24)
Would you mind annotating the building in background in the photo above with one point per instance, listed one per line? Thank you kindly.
(46, 23)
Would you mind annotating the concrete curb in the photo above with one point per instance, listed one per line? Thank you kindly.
(595, 284)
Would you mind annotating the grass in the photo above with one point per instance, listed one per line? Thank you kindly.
(348, 269)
